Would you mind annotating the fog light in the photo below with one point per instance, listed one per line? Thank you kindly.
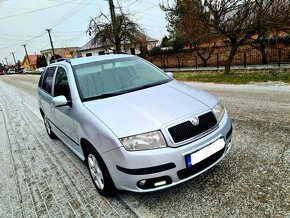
(163, 182)
(142, 182)
(152, 183)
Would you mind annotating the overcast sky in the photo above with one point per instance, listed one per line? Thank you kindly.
(25, 21)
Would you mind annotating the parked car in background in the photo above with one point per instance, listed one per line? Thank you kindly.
(41, 69)
(11, 71)
(20, 70)
(135, 126)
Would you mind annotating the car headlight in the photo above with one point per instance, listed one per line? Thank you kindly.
(146, 141)
(218, 111)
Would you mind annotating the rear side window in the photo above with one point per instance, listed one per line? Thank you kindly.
(47, 79)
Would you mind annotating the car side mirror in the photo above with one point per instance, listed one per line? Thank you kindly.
(169, 74)
(60, 101)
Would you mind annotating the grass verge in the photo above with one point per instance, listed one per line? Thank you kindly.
(236, 76)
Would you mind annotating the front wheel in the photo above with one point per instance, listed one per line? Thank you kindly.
(99, 173)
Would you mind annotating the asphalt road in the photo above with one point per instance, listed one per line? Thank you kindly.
(252, 181)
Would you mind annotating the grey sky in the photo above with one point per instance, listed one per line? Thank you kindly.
(25, 21)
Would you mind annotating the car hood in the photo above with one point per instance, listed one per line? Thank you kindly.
(149, 109)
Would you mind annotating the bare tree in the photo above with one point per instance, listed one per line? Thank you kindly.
(183, 22)
(126, 32)
(274, 21)
(233, 21)
(141, 41)
(239, 20)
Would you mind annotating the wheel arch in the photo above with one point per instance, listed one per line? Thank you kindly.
(88, 148)
(85, 144)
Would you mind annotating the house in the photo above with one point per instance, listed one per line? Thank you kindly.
(29, 62)
(67, 52)
(90, 49)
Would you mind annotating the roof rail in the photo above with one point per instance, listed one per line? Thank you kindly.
(114, 52)
(61, 59)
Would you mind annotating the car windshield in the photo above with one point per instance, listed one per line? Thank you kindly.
(103, 79)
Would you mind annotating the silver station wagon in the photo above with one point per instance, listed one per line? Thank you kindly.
(135, 127)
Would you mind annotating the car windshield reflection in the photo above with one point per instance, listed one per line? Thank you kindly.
(103, 79)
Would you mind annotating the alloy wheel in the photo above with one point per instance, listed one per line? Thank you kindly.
(96, 171)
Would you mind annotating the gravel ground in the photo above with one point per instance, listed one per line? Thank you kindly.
(252, 181)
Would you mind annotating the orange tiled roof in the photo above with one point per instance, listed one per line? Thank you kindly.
(32, 59)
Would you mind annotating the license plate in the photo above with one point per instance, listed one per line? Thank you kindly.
(204, 153)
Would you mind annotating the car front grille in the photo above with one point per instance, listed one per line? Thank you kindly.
(187, 130)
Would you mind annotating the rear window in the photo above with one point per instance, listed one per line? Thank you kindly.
(47, 79)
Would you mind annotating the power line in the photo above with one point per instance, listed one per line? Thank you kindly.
(67, 48)
(77, 31)
(146, 3)
(46, 45)
(141, 14)
(66, 16)
(78, 36)
(70, 39)
(132, 3)
(146, 9)
(28, 41)
(32, 11)
(91, 3)
(14, 35)
(21, 40)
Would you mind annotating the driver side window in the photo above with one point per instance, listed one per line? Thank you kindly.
(61, 86)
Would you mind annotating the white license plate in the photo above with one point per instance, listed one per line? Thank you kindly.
(204, 153)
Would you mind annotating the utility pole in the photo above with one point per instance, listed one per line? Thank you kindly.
(6, 61)
(113, 20)
(112, 11)
(48, 30)
(14, 58)
(26, 54)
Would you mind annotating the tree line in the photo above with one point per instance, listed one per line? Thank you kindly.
(235, 22)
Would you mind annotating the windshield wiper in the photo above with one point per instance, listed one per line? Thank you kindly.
(111, 94)
(151, 85)
(106, 95)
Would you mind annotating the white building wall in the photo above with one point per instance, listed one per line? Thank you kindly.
(96, 51)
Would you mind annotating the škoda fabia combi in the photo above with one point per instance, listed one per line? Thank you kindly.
(135, 126)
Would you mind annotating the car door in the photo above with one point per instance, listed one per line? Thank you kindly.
(46, 92)
(63, 115)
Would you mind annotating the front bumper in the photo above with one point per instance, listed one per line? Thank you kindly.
(165, 167)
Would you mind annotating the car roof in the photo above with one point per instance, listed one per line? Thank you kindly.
(90, 59)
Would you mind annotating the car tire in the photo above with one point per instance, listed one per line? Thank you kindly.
(99, 173)
(48, 128)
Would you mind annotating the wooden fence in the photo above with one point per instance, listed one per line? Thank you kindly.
(245, 56)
